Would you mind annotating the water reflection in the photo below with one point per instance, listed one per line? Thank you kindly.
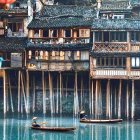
(19, 129)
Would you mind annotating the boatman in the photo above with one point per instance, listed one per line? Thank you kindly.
(34, 123)
(83, 115)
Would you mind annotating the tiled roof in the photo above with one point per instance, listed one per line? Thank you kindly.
(115, 6)
(61, 10)
(13, 11)
(116, 24)
(12, 44)
(60, 22)
(59, 46)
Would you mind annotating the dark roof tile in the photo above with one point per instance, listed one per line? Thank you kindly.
(60, 22)
(60, 10)
(115, 24)
(12, 44)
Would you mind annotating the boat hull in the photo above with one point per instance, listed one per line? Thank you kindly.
(101, 121)
(60, 129)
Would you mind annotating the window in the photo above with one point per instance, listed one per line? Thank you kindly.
(31, 33)
(15, 27)
(1, 24)
(67, 55)
(67, 33)
(53, 33)
(84, 55)
(30, 54)
(118, 17)
(62, 55)
(84, 33)
(1, 31)
(36, 33)
(119, 62)
(135, 62)
(118, 36)
(98, 36)
(45, 33)
(135, 36)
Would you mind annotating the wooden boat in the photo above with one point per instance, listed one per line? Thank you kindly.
(101, 121)
(60, 129)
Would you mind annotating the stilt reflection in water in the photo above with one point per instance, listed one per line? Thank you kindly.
(19, 129)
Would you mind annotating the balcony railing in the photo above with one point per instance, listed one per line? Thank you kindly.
(110, 47)
(118, 74)
(16, 34)
(59, 40)
(58, 66)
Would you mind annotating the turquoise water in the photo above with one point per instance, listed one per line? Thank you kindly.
(19, 129)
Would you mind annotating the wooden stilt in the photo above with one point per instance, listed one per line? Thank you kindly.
(127, 100)
(7, 92)
(119, 99)
(19, 100)
(100, 97)
(23, 93)
(92, 99)
(60, 93)
(44, 95)
(4, 91)
(51, 95)
(108, 100)
(96, 100)
(81, 93)
(11, 99)
(90, 96)
(115, 104)
(133, 101)
(76, 94)
(27, 92)
(57, 99)
(34, 94)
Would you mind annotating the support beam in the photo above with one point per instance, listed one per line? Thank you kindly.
(133, 101)
(19, 72)
(44, 95)
(96, 100)
(60, 93)
(92, 98)
(108, 115)
(27, 92)
(119, 99)
(10, 90)
(4, 92)
(34, 94)
(127, 100)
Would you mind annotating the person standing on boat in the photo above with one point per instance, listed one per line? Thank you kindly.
(34, 123)
(83, 115)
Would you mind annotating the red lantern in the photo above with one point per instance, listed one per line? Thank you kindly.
(7, 1)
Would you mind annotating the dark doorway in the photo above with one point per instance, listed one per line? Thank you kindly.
(106, 37)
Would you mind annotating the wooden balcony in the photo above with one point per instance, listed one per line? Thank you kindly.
(58, 66)
(110, 47)
(57, 40)
(109, 74)
(134, 74)
(135, 47)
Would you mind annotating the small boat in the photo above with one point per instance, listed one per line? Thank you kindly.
(60, 129)
(101, 121)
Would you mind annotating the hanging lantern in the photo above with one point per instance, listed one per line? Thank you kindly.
(7, 1)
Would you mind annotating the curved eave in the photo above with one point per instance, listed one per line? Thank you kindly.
(58, 47)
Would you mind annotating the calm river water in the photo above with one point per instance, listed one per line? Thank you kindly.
(18, 128)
